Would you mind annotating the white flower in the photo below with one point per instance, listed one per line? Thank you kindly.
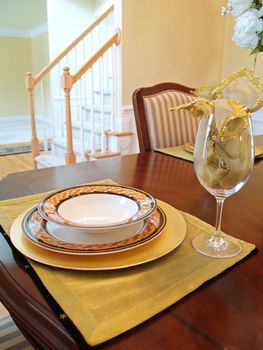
(249, 22)
(247, 27)
(237, 7)
(245, 40)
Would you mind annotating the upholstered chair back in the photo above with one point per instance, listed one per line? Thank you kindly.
(157, 126)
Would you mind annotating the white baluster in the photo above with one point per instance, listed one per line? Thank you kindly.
(93, 140)
(102, 129)
(80, 100)
(43, 115)
(112, 90)
(60, 118)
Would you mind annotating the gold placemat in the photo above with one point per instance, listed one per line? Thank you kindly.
(177, 151)
(103, 304)
(180, 152)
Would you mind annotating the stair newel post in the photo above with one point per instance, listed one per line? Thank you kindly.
(67, 83)
(30, 83)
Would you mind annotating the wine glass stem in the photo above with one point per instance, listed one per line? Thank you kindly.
(217, 239)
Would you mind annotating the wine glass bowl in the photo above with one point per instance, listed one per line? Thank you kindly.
(223, 162)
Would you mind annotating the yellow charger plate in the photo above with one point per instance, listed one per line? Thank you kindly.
(258, 151)
(171, 237)
(189, 147)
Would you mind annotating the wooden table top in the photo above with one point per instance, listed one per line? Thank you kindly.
(224, 313)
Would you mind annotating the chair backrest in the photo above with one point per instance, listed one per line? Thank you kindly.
(157, 127)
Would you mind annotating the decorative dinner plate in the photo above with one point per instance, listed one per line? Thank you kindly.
(172, 236)
(66, 240)
(97, 207)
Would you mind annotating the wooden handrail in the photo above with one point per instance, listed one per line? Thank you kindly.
(115, 39)
(48, 68)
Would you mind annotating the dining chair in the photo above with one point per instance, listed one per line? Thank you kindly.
(157, 127)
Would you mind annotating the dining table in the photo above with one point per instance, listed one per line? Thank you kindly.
(224, 311)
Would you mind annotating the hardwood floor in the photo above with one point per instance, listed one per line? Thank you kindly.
(15, 163)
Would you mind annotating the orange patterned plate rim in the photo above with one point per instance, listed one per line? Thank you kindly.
(34, 228)
(49, 206)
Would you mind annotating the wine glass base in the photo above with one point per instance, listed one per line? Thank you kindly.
(219, 247)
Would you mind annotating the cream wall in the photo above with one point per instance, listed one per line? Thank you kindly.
(15, 60)
(171, 40)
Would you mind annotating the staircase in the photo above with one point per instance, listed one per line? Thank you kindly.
(77, 98)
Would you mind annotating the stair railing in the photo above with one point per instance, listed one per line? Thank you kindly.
(32, 82)
(69, 80)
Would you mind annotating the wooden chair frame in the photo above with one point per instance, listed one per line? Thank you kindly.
(27, 306)
(140, 111)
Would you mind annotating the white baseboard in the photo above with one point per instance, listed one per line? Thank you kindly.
(128, 124)
(13, 118)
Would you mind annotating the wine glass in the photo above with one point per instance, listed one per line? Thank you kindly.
(223, 162)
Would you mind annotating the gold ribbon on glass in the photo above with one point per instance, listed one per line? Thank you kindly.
(231, 102)
(241, 86)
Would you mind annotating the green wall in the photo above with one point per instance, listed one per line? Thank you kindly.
(15, 61)
(19, 56)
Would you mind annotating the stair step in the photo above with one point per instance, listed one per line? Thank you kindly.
(97, 112)
(97, 109)
(105, 92)
(46, 160)
(59, 149)
(61, 143)
(86, 127)
(100, 155)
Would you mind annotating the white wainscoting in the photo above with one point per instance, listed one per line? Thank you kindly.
(128, 124)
